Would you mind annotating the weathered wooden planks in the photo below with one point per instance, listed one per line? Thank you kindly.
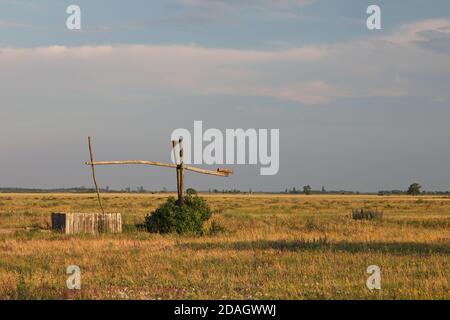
(93, 223)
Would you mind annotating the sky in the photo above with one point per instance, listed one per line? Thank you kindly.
(357, 109)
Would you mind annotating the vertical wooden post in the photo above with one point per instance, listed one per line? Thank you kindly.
(93, 176)
(175, 156)
(180, 198)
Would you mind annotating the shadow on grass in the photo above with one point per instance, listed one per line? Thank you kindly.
(325, 245)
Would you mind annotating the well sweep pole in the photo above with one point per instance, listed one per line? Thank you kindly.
(93, 176)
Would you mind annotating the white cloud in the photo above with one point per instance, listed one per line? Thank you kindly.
(311, 92)
(142, 69)
(418, 31)
(398, 65)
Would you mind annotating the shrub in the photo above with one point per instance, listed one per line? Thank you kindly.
(188, 218)
(366, 214)
(191, 192)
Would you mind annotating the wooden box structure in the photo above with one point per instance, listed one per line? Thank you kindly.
(93, 223)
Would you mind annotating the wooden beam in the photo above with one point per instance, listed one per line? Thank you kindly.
(150, 163)
(219, 172)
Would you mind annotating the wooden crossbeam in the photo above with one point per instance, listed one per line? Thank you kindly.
(222, 172)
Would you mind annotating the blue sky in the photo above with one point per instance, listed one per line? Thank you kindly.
(214, 23)
(357, 109)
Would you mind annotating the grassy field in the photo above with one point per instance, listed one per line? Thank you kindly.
(271, 247)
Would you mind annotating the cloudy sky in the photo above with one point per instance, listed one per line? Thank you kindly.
(357, 109)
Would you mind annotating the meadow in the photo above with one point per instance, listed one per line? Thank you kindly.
(260, 247)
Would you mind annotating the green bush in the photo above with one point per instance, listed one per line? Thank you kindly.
(191, 192)
(172, 218)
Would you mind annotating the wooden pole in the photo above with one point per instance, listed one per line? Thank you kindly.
(180, 194)
(93, 176)
(180, 197)
(175, 155)
(221, 172)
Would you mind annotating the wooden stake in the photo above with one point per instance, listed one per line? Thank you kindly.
(93, 176)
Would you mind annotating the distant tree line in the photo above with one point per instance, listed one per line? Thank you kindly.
(225, 191)
(71, 190)
(308, 191)
(414, 189)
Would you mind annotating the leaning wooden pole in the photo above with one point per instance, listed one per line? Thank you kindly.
(93, 176)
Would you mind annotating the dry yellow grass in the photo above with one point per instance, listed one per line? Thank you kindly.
(273, 247)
